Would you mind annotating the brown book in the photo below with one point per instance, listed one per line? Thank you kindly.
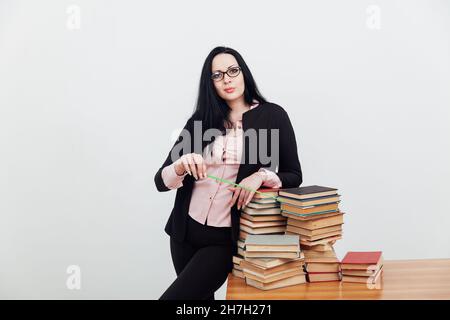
(310, 210)
(325, 247)
(266, 192)
(270, 254)
(321, 277)
(311, 233)
(237, 259)
(374, 279)
(262, 205)
(266, 230)
(307, 192)
(298, 279)
(321, 236)
(321, 241)
(238, 273)
(271, 262)
(316, 237)
(311, 217)
(274, 277)
(261, 212)
(242, 234)
(361, 273)
(310, 202)
(262, 224)
(238, 267)
(262, 272)
(323, 267)
(274, 217)
(312, 256)
(318, 223)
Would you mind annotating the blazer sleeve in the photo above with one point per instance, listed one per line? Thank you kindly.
(289, 169)
(159, 182)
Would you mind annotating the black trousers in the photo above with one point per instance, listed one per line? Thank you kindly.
(202, 262)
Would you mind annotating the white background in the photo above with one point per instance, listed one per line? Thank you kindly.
(87, 116)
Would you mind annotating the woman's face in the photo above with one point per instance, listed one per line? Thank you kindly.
(228, 88)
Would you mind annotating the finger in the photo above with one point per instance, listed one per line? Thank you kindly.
(186, 165)
(198, 160)
(235, 196)
(249, 197)
(241, 198)
(204, 169)
(192, 165)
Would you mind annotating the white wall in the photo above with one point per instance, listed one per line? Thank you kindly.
(86, 117)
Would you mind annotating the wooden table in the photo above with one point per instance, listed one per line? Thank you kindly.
(402, 279)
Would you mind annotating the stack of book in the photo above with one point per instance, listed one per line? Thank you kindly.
(262, 215)
(322, 265)
(273, 261)
(362, 267)
(313, 213)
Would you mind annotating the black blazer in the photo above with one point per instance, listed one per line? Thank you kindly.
(265, 116)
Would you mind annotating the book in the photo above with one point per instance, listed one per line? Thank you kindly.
(314, 232)
(372, 279)
(274, 277)
(238, 273)
(271, 262)
(318, 223)
(261, 211)
(325, 247)
(243, 234)
(272, 242)
(312, 256)
(267, 192)
(262, 272)
(321, 241)
(307, 192)
(238, 259)
(323, 267)
(237, 267)
(330, 207)
(270, 254)
(275, 217)
(298, 279)
(362, 260)
(323, 276)
(261, 224)
(310, 202)
(264, 230)
(258, 205)
(309, 217)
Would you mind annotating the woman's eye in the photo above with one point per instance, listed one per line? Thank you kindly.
(233, 70)
(215, 76)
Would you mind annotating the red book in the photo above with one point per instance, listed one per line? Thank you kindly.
(362, 260)
(354, 257)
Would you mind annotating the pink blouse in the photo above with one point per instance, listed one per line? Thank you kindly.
(210, 198)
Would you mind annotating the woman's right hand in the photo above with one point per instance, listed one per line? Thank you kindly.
(193, 163)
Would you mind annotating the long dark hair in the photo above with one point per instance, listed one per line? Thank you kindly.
(211, 109)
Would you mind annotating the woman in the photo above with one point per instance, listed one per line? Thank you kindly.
(204, 223)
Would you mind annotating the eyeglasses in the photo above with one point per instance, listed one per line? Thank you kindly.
(232, 72)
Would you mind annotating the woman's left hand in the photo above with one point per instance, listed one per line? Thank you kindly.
(244, 196)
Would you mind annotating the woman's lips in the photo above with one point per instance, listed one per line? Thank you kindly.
(229, 90)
